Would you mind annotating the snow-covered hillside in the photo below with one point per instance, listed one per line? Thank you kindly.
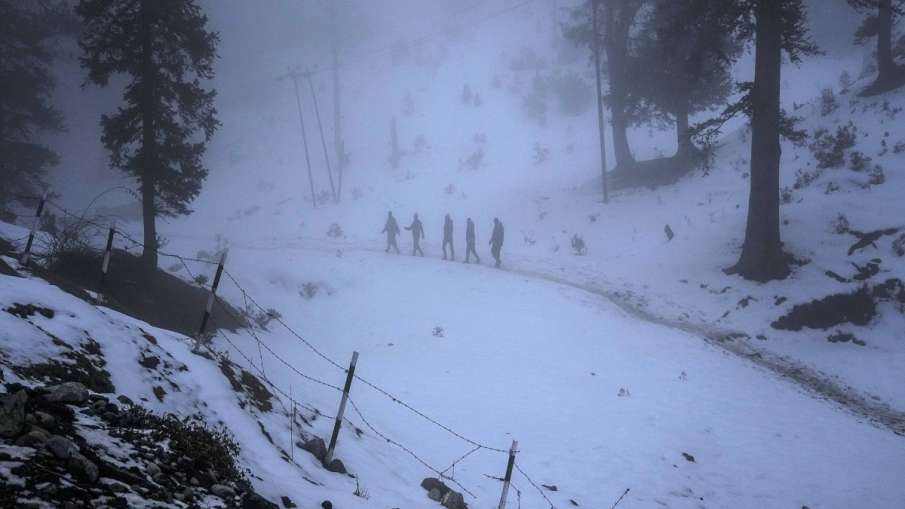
(618, 358)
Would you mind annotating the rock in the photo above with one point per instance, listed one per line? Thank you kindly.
(82, 468)
(223, 491)
(287, 502)
(152, 469)
(252, 500)
(336, 466)
(316, 447)
(688, 457)
(45, 420)
(431, 483)
(326, 504)
(12, 414)
(61, 447)
(434, 494)
(122, 398)
(35, 439)
(453, 500)
(68, 392)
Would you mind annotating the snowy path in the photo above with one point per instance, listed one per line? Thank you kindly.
(812, 381)
(600, 398)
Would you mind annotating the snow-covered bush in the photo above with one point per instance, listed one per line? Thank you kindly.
(541, 153)
(845, 82)
(578, 245)
(876, 176)
(857, 161)
(840, 225)
(335, 231)
(828, 102)
(898, 245)
(829, 149)
(474, 160)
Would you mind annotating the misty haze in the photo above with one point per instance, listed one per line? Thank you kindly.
(454, 254)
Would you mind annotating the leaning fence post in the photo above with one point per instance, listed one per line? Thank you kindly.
(210, 299)
(508, 477)
(106, 263)
(350, 374)
(34, 226)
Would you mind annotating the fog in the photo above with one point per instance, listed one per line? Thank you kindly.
(417, 233)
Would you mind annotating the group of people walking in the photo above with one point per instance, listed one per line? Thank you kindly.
(391, 228)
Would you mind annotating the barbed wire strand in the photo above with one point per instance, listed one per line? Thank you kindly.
(404, 448)
(538, 488)
(382, 391)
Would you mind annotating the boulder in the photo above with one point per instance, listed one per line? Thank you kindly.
(453, 500)
(287, 502)
(122, 398)
(45, 420)
(12, 414)
(223, 491)
(316, 447)
(82, 468)
(432, 483)
(34, 438)
(69, 392)
(336, 466)
(61, 447)
(252, 500)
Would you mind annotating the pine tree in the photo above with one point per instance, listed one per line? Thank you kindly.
(879, 23)
(777, 26)
(160, 134)
(27, 31)
(684, 63)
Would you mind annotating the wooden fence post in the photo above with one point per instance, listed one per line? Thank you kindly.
(210, 299)
(507, 479)
(34, 226)
(105, 265)
(350, 374)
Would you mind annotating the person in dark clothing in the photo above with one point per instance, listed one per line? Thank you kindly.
(496, 240)
(391, 228)
(417, 230)
(469, 242)
(447, 238)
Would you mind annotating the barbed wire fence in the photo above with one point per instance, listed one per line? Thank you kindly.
(446, 474)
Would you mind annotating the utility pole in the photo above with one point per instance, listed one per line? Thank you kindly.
(320, 126)
(601, 126)
(338, 143)
(294, 76)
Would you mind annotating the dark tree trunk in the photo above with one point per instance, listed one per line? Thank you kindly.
(762, 258)
(619, 16)
(149, 141)
(886, 66)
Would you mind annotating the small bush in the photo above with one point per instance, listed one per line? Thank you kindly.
(450, 189)
(578, 245)
(828, 102)
(840, 225)
(474, 160)
(899, 147)
(829, 149)
(876, 176)
(845, 82)
(804, 179)
(541, 153)
(898, 245)
(857, 161)
(831, 187)
(309, 290)
(335, 231)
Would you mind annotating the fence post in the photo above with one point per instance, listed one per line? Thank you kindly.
(508, 477)
(210, 299)
(34, 226)
(350, 374)
(106, 263)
